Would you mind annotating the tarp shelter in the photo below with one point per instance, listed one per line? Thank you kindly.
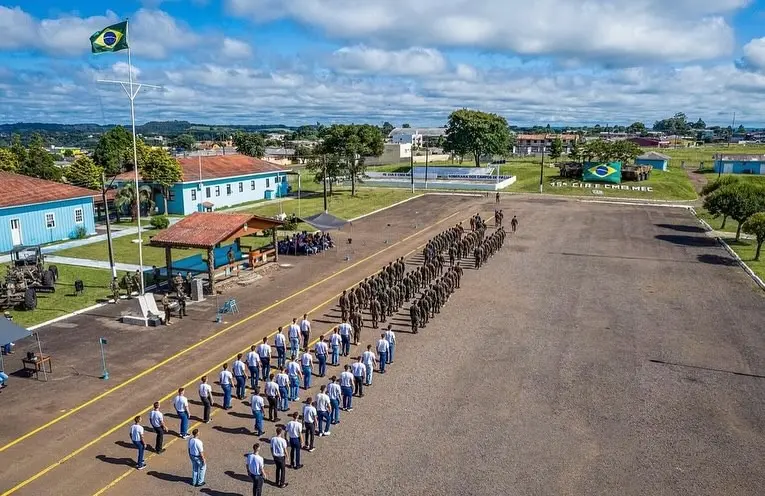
(10, 332)
(207, 230)
(325, 222)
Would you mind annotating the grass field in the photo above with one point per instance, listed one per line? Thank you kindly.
(746, 249)
(694, 156)
(63, 301)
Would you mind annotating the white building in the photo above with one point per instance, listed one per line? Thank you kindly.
(411, 135)
(393, 153)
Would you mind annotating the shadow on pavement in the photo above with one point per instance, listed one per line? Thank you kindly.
(679, 239)
(239, 477)
(125, 444)
(682, 228)
(231, 430)
(213, 492)
(169, 477)
(717, 260)
(117, 461)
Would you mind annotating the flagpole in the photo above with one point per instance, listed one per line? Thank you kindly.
(135, 165)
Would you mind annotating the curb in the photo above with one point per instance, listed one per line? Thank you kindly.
(730, 251)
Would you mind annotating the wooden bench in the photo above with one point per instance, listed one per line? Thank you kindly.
(258, 257)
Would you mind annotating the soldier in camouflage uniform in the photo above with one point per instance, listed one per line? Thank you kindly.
(374, 310)
(357, 322)
(344, 305)
(114, 287)
(414, 317)
(127, 282)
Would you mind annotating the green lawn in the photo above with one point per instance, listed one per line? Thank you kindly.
(694, 156)
(63, 301)
(746, 250)
(672, 184)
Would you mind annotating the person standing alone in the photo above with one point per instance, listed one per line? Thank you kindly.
(198, 461)
(255, 468)
(136, 435)
(181, 404)
(157, 421)
(205, 396)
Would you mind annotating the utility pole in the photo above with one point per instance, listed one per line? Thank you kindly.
(411, 165)
(732, 130)
(542, 167)
(324, 182)
(427, 150)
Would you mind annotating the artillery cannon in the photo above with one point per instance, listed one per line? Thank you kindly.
(25, 277)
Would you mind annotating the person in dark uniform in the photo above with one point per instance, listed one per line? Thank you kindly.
(182, 305)
(496, 198)
(374, 310)
(166, 308)
(357, 322)
(155, 275)
(514, 223)
(344, 305)
(414, 317)
(383, 300)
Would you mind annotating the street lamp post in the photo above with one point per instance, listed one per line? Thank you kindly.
(542, 168)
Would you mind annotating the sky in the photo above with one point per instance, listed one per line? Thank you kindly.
(562, 62)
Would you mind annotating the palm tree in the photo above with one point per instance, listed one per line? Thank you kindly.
(126, 198)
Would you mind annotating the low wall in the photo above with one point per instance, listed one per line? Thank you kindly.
(466, 184)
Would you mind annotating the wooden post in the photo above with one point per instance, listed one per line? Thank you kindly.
(276, 246)
(211, 269)
(168, 268)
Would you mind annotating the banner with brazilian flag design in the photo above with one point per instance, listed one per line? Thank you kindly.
(110, 39)
(603, 172)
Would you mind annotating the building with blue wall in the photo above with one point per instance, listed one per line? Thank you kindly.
(219, 181)
(657, 160)
(35, 211)
(739, 164)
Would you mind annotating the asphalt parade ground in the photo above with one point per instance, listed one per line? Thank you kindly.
(604, 350)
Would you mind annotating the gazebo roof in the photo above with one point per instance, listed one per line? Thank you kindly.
(207, 229)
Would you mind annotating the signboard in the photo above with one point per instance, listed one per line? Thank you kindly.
(579, 184)
(607, 173)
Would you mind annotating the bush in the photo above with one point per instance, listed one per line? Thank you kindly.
(160, 222)
(80, 233)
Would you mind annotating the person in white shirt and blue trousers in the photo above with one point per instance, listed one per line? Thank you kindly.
(240, 376)
(136, 435)
(307, 362)
(294, 431)
(293, 371)
(321, 350)
(323, 409)
(345, 335)
(258, 406)
(346, 387)
(335, 341)
(225, 379)
(198, 462)
(382, 352)
(281, 349)
(390, 336)
(283, 380)
(181, 405)
(294, 335)
(264, 352)
(335, 393)
(253, 365)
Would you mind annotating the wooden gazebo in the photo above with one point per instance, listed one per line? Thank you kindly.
(207, 231)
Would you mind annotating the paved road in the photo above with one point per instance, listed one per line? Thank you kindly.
(592, 356)
(537, 378)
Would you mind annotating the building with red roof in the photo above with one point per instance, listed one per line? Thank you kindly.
(217, 181)
(36, 211)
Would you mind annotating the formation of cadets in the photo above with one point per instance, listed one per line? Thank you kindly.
(428, 287)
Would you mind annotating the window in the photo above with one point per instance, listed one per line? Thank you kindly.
(228, 189)
(277, 179)
(207, 192)
(252, 185)
(193, 195)
(268, 183)
(241, 187)
(50, 220)
(171, 195)
(217, 191)
(78, 217)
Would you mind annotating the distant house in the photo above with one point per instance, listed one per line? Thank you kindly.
(656, 160)
(739, 164)
(650, 142)
(35, 211)
(220, 181)
(414, 136)
(529, 144)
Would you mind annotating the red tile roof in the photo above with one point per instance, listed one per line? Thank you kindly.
(16, 190)
(219, 166)
(207, 229)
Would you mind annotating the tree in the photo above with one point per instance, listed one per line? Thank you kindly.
(406, 125)
(624, 151)
(755, 225)
(38, 162)
(163, 170)
(126, 198)
(352, 143)
(114, 151)
(710, 188)
(575, 152)
(8, 160)
(678, 124)
(68, 153)
(556, 149)
(331, 164)
(250, 144)
(699, 124)
(741, 130)
(739, 201)
(476, 132)
(184, 141)
(636, 128)
(387, 127)
(84, 172)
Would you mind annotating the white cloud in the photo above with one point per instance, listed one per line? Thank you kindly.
(620, 32)
(122, 70)
(414, 61)
(156, 34)
(754, 54)
(235, 49)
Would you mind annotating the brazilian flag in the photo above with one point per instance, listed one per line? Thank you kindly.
(606, 173)
(110, 39)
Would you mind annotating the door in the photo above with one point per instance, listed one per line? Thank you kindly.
(16, 232)
(727, 168)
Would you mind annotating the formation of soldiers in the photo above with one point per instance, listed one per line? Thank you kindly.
(131, 282)
(434, 281)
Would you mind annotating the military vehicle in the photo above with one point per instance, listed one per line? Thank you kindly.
(25, 277)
